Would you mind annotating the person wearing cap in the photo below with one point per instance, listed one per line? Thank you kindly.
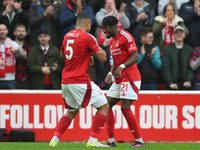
(176, 62)
(45, 64)
(127, 77)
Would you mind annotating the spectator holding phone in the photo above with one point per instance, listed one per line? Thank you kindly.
(45, 64)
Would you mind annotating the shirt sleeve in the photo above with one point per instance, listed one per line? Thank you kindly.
(92, 44)
(130, 45)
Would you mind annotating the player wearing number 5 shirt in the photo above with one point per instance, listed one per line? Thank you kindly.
(127, 78)
(78, 90)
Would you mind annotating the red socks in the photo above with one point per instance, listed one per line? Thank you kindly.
(110, 124)
(63, 124)
(132, 122)
(98, 124)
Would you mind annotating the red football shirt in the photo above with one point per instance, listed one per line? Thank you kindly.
(121, 46)
(77, 47)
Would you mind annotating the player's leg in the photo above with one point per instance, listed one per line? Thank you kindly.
(111, 122)
(66, 119)
(100, 117)
(132, 122)
(113, 98)
(128, 93)
(62, 126)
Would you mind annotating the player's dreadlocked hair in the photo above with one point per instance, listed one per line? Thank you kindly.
(109, 21)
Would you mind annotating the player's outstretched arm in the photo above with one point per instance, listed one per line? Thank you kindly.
(101, 55)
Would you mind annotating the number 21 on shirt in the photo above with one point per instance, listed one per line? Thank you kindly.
(124, 87)
(70, 49)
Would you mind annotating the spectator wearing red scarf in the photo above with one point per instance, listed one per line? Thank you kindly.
(164, 25)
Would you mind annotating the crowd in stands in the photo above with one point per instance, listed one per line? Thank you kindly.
(166, 32)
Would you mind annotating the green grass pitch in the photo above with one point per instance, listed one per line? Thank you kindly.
(81, 146)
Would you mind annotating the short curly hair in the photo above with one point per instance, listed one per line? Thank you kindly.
(109, 21)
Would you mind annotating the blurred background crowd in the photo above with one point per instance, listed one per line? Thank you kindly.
(166, 32)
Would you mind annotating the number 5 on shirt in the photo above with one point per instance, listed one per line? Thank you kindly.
(70, 49)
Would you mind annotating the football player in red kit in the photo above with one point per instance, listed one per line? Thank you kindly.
(78, 90)
(127, 78)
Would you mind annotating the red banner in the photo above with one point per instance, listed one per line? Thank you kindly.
(162, 116)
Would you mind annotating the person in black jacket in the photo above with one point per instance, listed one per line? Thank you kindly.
(149, 60)
(190, 12)
(140, 13)
(11, 15)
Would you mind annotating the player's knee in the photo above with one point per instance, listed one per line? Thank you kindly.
(105, 108)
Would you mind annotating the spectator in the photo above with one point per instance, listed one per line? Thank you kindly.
(69, 12)
(154, 4)
(110, 9)
(195, 65)
(149, 60)
(8, 49)
(190, 12)
(44, 14)
(45, 64)
(140, 14)
(176, 3)
(25, 4)
(22, 74)
(164, 25)
(11, 15)
(96, 5)
(176, 62)
(123, 22)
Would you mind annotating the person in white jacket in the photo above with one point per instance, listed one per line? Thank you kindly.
(8, 49)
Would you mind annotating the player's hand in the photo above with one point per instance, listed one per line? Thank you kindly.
(108, 79)
(117, 73)
(187, 84)
(91, 60)
(1, 63)
(153, 52)
(46, 70)
(173, 86)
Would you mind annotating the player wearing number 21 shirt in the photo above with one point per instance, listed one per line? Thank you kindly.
(78, 91)
(127, 78)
